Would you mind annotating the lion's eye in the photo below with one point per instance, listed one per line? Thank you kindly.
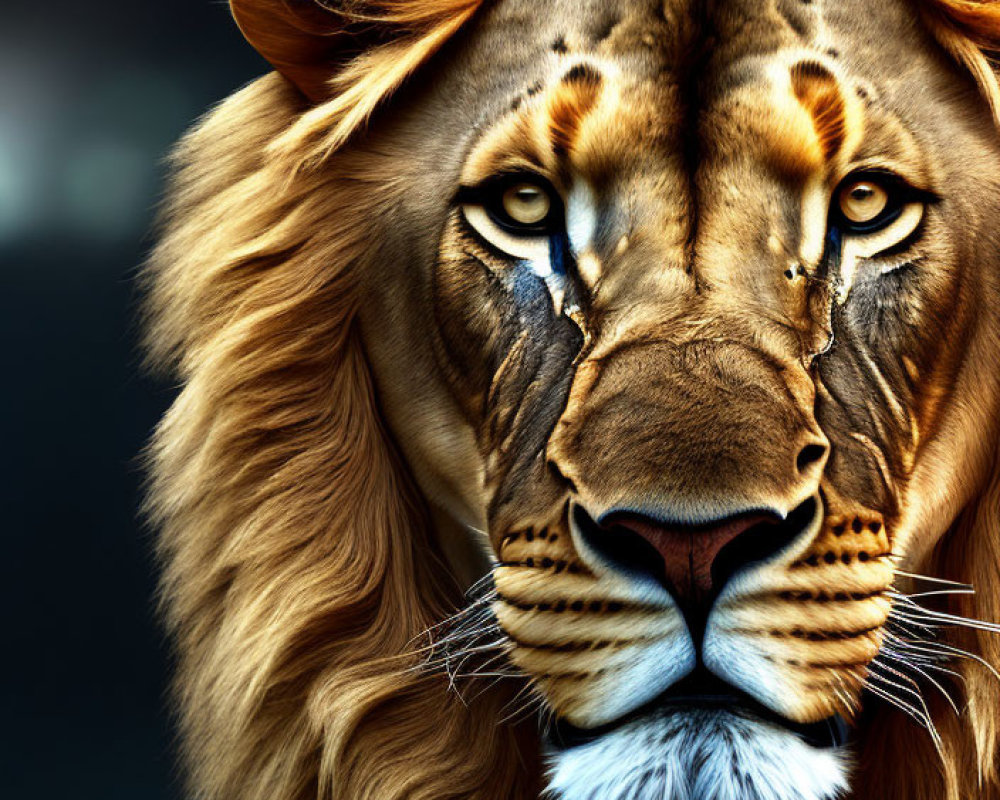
(518, 214)
(862, 201)
(522, 206)
(874, 212)
(526, 204)
(868, 202)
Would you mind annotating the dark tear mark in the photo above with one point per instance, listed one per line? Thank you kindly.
(559, 255)
(833, 253)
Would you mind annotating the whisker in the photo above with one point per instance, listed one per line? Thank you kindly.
(485, 686)
(922, 715)
(919, 649)
(534, 698)
(935, 593)
(456, 620)
(904, 663)
(965, 654)
(910, 686)
(929, 579)
(916, 621)
(902, 705)
(952, 619)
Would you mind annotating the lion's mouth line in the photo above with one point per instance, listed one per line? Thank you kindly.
(703, 690)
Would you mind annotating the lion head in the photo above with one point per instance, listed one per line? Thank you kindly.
(593, 398)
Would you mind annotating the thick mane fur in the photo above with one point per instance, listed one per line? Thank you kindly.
(897, 759)
(297, 565)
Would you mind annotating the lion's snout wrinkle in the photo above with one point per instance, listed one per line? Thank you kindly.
(627, 440)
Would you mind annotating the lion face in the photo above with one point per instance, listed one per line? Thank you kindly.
(684, 317)
(691, 343)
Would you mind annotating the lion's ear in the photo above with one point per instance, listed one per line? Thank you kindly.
(323, 47)
(970, 31)
(347, 56)
(301, 39)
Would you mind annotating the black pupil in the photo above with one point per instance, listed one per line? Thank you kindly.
(527, 195)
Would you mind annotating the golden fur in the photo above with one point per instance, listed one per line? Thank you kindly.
(895, 762)
(298, 565)
(297, 571)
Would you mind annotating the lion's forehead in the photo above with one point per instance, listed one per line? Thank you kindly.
(713, 48)
(664, 100)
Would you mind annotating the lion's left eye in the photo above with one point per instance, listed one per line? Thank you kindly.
(526, 204)
(867, 203)
(518, 214)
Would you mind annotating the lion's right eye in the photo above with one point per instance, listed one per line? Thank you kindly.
(866, 203)
(875, 210)
(862, 202)
(524, 206)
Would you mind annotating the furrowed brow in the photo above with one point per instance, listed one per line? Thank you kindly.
(575, 96)
(818, 91)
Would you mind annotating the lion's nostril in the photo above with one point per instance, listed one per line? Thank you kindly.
(625, 550)
(761, 542)
(809, 454)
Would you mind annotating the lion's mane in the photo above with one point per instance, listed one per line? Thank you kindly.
(298, 565)
(297, 569)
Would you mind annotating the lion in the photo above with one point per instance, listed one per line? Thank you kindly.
(589, 399)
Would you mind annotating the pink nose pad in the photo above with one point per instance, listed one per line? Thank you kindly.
(688, 552)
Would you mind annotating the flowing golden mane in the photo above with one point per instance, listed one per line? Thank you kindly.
(898, 761)
(298, 565)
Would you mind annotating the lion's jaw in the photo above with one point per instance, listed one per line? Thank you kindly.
(697, 755)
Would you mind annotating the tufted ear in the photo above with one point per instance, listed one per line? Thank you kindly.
(302, 39)
(970, 31)
(348, 56)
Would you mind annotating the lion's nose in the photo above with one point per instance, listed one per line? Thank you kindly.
(693, 562)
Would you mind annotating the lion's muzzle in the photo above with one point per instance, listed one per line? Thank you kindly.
(695, 512)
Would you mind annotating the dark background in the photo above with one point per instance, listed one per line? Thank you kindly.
(92, 94)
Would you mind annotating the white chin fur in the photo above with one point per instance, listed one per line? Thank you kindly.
(697, 755)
